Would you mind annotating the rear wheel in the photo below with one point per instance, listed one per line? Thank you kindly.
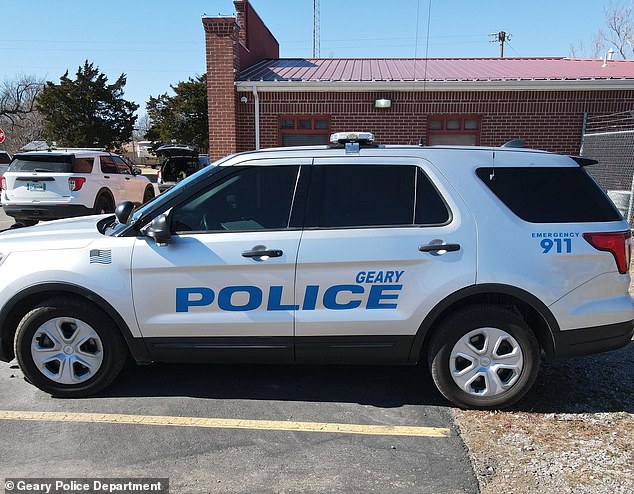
(103, 205)
(68, 349)
(148, 195)
(484, 357)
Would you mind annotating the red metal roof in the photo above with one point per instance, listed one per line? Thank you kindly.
(435, 69)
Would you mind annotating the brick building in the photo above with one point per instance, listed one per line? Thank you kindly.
(257, 99)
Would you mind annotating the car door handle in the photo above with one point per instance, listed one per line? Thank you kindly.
(437, 247)
(106, 176)
(127, 178)
(263, 253)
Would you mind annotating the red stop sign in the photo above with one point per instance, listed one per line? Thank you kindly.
(1, 136)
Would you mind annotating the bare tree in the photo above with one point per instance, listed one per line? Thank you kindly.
(594, 50)
(19, 119)
(620, 30)
(17, 97)
(143, 124)
(618, 33)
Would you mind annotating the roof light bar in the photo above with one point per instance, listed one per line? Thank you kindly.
(344, 137)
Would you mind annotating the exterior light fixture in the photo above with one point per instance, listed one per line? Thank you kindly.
(382, 103)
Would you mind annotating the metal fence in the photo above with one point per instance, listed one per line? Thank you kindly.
(610, 140)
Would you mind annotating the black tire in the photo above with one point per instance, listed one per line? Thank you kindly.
(490, 379)
(108, 347)
(148, 194)
(103, 205)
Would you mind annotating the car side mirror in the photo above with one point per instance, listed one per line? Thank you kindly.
(159, 230)
(123, 211)
(136, 171)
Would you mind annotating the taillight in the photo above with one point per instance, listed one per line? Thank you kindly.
(158, 176)
(3, 183)
(618, 243)
(76, 183)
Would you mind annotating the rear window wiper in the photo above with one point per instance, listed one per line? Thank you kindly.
(42, 170)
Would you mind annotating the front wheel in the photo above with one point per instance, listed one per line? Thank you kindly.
(69, 349)
(484, 357)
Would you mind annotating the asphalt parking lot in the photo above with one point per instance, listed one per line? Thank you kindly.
(234, 451)
(241, 429)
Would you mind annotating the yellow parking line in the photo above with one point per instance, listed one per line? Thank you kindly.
(266, 425)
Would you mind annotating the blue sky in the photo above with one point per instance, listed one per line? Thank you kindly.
(158, 43)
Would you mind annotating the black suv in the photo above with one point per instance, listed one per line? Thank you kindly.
(177, 162)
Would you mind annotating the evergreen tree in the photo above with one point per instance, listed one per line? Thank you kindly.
(182, 117)
(87, 112)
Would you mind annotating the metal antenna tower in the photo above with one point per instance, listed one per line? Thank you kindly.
(316, 33)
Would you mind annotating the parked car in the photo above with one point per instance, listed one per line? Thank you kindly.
(204, 159)
(474, 262)
(44, 185)
(177, 162)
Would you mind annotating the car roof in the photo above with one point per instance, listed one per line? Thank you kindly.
(66, 152)
(469, 155)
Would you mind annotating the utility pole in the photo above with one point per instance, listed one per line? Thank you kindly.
(500, 37)
(316, 33)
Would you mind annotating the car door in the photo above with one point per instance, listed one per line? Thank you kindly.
(111, 178)
(370, 264)
(222, 289)
(132, 186)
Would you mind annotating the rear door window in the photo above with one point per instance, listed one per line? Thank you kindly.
(431, 208)
(362, 196)
(370, 196)
(550, 194)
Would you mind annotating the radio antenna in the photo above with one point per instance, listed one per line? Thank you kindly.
(492, 175)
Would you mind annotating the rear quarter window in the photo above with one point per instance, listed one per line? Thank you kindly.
(550, 194)
(83, 165)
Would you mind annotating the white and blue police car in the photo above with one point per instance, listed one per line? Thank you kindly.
(474, 261)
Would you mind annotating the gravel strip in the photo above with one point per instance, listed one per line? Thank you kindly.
(573, 433)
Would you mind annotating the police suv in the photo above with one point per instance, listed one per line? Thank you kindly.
(474, 261)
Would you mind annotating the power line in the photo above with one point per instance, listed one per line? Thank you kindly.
(511, 47)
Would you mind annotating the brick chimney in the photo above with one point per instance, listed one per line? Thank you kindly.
(257, 42)
(231, 44)
(223, 63)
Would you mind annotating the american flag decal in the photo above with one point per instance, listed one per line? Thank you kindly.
(98, 256)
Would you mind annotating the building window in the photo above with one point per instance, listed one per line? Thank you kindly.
(453, 130)
(304, 130)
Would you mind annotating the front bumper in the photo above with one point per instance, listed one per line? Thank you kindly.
(593, 340)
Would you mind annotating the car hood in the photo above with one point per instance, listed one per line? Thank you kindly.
(72, 233)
